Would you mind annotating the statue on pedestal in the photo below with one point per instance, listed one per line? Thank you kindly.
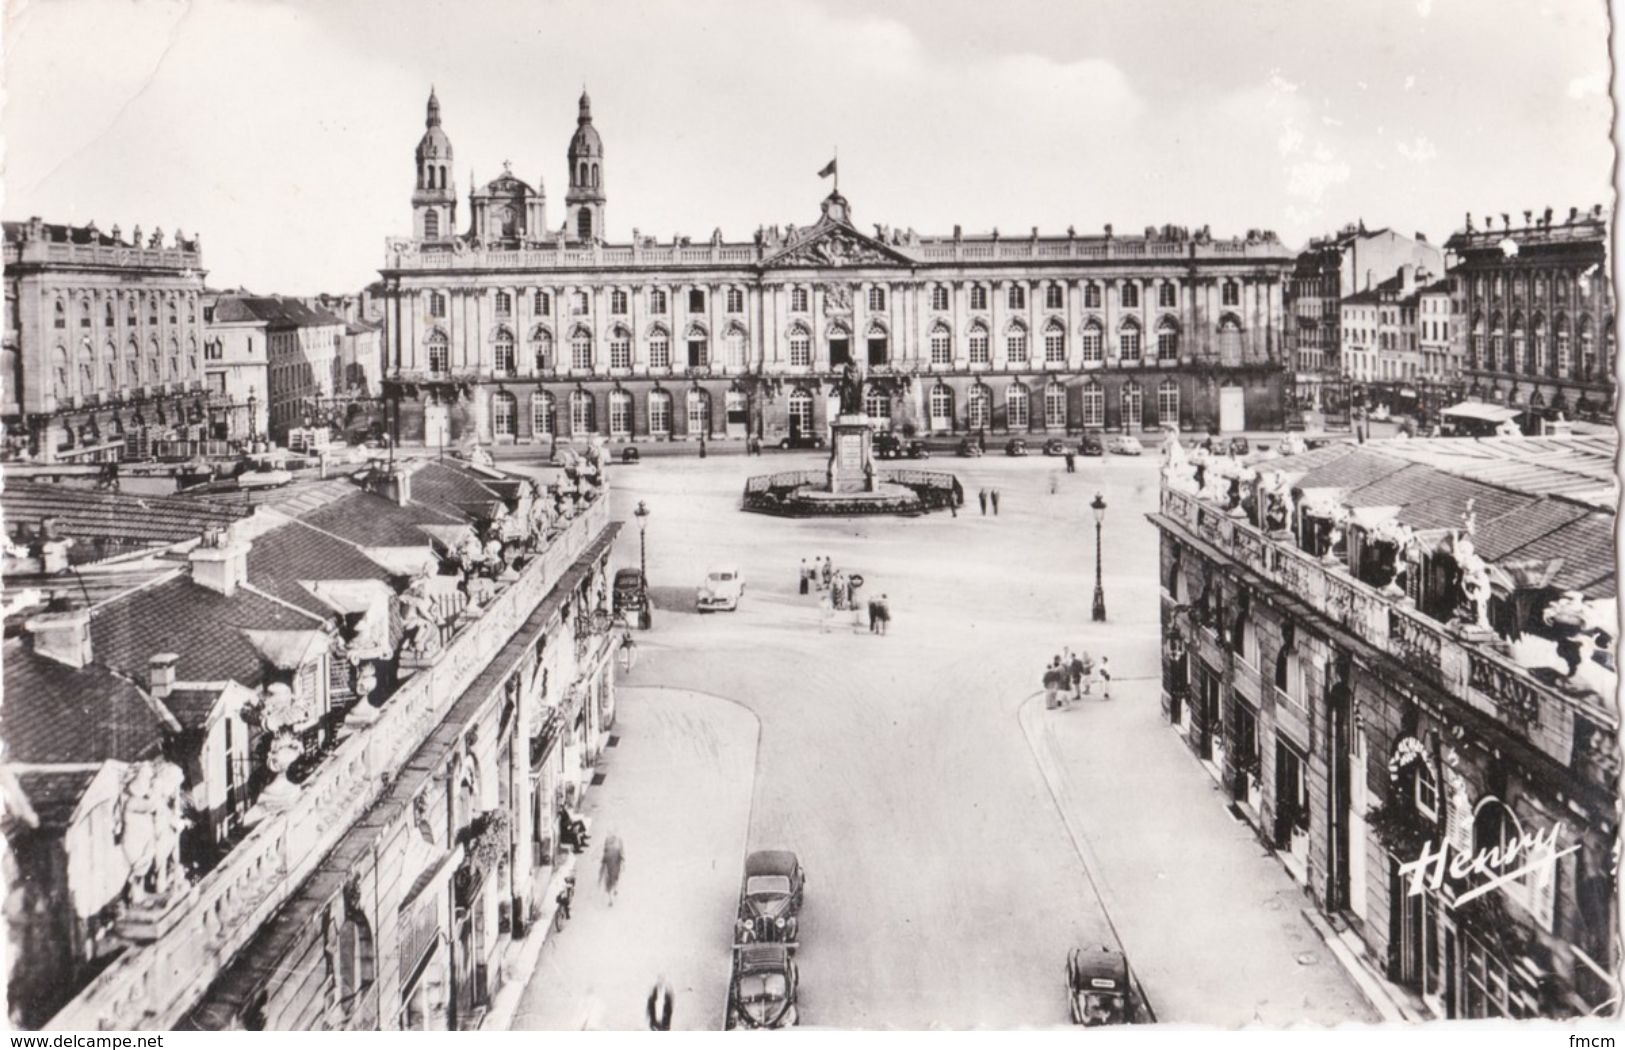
(849, 388)
(147, 823)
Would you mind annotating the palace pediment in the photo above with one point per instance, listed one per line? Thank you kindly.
(835, 245)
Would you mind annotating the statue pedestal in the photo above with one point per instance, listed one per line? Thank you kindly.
(851, 466)
(147, 922)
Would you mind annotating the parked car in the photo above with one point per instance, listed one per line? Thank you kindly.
(1055, 447)
(1239, 446)
(721, 590)
(770, 899)
(1015, 447)
(1125, 445)
(762, 991)
(630, 454)
(1091, 445)
(1099, 987)
(630, 593)
(892, 446)
(802, 441)
(970, 448)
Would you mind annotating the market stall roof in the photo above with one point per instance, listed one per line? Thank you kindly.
(1483, 412)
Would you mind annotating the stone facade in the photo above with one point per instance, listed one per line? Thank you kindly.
(509, 333)
(103, 343)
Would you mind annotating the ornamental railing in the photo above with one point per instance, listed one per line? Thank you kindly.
(152, 986)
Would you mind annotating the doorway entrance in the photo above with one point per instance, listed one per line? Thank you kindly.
(1232, 408)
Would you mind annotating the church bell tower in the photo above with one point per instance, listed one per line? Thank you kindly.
(584, 202)
(434, 201)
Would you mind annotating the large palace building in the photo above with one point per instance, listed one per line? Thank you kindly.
(509, 332)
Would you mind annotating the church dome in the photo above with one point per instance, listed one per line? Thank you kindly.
(585, 142)
(434, 144)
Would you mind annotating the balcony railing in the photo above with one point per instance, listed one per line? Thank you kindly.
(151, 987)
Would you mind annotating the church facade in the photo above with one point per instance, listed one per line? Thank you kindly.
(509, 332)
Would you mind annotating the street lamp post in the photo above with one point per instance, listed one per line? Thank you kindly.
(1099, 507)
(645, 616)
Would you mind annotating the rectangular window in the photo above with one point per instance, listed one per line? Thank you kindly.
(504, 304)
(620, 351)
(659, 351)
(800, 350)
(736, 301)
(1016, 297)
(1054, 296)
(1094, 407)
(1093, 346)
(657, 301)
(617, 302)
(939, 297)
(941, 348)
(978, 347)
(620, 414)
(696, 300)
(1232, 293)
(1091, 296)
(1130, 295)
(1128, 343)
(696, 353)
(877, 299)
(1055, 347)
(798, 300)
(1167, 294)
(978, 297)
(877, 350)
(541, 303)
(660, 413)
(1016, 405)
(580, 303)
(1015, 348)
(1055, 406)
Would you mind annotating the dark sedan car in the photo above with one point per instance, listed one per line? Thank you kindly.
(802, 441)
(763, 991)
(1092, 445)
(770, 899)
(969, 448)
(1015, 447)
(1055, 447)
(890, 446)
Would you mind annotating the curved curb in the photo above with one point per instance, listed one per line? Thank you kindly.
(1060, 791)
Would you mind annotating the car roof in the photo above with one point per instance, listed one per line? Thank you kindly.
(1099, 961)
(755, 958)
(770, 862)
(715, 569)
(628, 573)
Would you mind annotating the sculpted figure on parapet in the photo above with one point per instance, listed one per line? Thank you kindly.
(147, 823)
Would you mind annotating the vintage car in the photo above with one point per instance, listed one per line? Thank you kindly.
(1056, 447)
(802, 441)
(770, 899)
(1015, 447)
(1239, 446)
(1099, 987)
(721, 589)
(762, 991)
(630, 593)
(1091, 444)
(1125, 445)
(970, 448)
(630, 454)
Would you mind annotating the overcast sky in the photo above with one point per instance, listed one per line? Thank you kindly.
(283, 131)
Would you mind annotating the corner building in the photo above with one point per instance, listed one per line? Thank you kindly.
(510, 333)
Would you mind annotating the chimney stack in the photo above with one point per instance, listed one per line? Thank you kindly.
(220, 563)
(1407, 279)
(161, 675)
(64, 637)
(396, 485)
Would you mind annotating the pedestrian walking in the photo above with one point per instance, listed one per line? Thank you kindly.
(884, 609)
(826, 610)
(1105, 673)
(994, 496)
(982, 497)
(1052, 683)
(1088, 671)
(874, 615)
(1075, 672)
(837, 589)
(828, 571)
(659, 1006)
(1071, 462)
(609, 869)
(803, 575)
(851, 592)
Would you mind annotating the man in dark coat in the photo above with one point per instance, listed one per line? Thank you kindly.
(659, 1007)
(982, 498)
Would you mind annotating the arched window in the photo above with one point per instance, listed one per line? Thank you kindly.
(1015, 344)
(61, 375)
(504, 415)
(1563, 363)
(1055, 406)
(657, 300)
(1128, 342)
(1168, 401)
(1094, 405)
(1129, 296)
(699, 412)
(502, 351)
(980, 404)
(543, 413)
(620, 414)
(878, 344)
(134, 310)
(431, 225)
(1539, 351)
(939, 297)
(1091, 296)
(132, 364)
(595, 176)
(87, 370)
(978, 297)
(977, 344)
(659, 413)
(1016, 297)
(1094, 343)
(581, 349)
(1054, 296)
(1229, 340)
(698, 347)
(1520, 348)
(1018, 401)
(1475, 341)
(877, 299)
(801, 413)
(877, 406)
(1588, 349)
(620, 348)
(356, 959)
(734, 339)
(942, 345)
(617, 302)
(1131, 406)
(1055, 341)
(85, 314)
(798, 300)
(1167, 339)
(736, 301)
(659, 348)
(800, 347)
(439, 352)
(541, 349)
(1497, 358)
(582, 414)
(584, 224)
(109, 320)
(437, 305)
(942, 408)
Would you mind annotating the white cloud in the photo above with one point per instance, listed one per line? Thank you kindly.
(1420, 151)
(1591, 84)
(1310, 179)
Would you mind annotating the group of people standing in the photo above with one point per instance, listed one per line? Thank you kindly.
(987, 496)
(838, 592)
(1072, 676)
